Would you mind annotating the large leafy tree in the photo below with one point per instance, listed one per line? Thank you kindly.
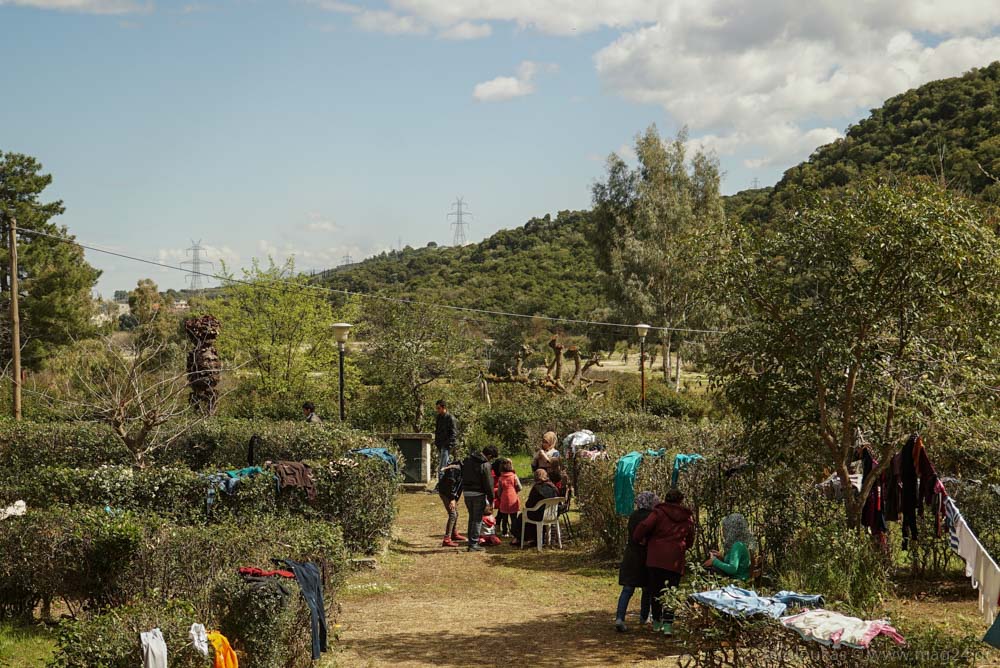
(276, 333)
(56, 280)
(863, 316)
(657, 228)
(409, 348)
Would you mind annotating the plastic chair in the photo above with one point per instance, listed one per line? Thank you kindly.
(550, 518)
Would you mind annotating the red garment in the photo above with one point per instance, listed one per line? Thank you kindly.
(257, 572)
(507, 486)
(668, 532)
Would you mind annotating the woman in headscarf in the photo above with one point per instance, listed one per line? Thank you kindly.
(541, 490)
(668, 532)
(737, 542)
(632, 572)
(546, 453)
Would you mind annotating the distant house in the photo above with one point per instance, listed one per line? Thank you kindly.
(108, 312)
(181, 305)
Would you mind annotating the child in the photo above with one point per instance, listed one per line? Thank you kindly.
(488, 535)
(508, 501)
(450, 491)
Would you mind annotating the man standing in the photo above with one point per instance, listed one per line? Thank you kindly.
(309, 410)
(445, 435)
(477, 483)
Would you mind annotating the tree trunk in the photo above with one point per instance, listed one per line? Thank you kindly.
(853, 505)
(666, 356)
(677, 376)
(418, 414)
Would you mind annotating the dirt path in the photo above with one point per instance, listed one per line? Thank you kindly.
(433, 606)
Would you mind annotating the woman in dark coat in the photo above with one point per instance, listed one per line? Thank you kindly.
(668, 532)
(632, 572)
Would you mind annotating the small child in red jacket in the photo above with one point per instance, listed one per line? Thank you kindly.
(508, 501)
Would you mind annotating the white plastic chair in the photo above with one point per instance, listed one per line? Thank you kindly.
(550, 519)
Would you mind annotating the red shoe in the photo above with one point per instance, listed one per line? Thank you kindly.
(448, 542)
(458, 538)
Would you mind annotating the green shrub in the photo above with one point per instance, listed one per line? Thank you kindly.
(111, 640)
(842, 564)
(661, 399)
(357, 493)
(91, 559)
(212, 444)
(267, 627)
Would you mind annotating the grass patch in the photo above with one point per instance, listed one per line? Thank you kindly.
(25, 646)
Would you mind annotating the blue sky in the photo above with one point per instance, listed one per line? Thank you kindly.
(321, 128)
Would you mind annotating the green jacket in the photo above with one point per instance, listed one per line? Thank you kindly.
(737, 563)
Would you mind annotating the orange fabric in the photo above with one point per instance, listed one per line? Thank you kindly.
(225, 657)
(918, 445)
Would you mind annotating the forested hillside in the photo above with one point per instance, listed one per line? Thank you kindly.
(543, 267)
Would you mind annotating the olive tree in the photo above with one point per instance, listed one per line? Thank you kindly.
(872, 312)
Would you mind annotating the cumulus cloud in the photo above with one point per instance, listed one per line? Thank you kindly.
(389, 23)
(466, 30)
(317, 222)
(85, 6)
(765, 80)
(506, 88)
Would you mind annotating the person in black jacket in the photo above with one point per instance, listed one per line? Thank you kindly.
(450, 491)
(477, 486)
(445, 434)
(632, 572)
(542, 489)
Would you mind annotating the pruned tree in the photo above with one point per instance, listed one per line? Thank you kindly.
(204, 368)
(553, 380)
(138, 393)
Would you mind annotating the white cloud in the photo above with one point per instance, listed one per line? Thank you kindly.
(311, 258)
(466, 30)
(389, 23)
(85, 6)
(506, 88)
(765, 80)
(335, 6)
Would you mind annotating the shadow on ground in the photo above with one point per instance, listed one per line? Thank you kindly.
(573, 639)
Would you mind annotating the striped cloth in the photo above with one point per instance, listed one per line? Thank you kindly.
(952, 518)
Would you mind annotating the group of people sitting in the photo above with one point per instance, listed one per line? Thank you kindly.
(659, 535)
(489, 485)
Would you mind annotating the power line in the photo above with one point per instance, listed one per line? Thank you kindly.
(284, 285)
(459, 224)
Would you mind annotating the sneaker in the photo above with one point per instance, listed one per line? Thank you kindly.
(657, 626)
(620, 626)
(475, 548)
(647, 620)
(448, 542)
(458, 538)
(667, 629)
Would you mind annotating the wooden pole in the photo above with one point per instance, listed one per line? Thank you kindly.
(15, 320)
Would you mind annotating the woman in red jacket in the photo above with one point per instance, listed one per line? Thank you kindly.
(668, 532)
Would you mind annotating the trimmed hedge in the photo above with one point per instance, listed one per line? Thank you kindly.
(93, 559)
(359, 494)
(212, 444)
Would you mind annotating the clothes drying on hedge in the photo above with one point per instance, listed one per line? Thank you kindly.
(836, 630)
(307, 575)
(261, 573)
(225, 657)
(379, 453)
(199, 638)
(681, 462)
(295, 474)
(227, 482)
(154, 649)
(16, 509)
(625, 472)
(738, 602)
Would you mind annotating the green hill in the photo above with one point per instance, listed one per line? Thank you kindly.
(545, 267)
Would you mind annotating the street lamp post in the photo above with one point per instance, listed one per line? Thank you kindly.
(341, 331)
(642, 329)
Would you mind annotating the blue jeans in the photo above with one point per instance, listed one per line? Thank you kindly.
(444, 458)
(626, 596)
(475, 504)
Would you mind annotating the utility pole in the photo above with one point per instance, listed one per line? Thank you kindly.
(756, 183)
(459, 213)
(15, 319)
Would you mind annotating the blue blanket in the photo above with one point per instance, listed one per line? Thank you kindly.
(746, 603)
(381, 453)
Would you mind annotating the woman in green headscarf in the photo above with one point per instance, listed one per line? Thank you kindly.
(737, 541)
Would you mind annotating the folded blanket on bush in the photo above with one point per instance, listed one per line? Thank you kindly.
(834, 629)
(739, 602)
